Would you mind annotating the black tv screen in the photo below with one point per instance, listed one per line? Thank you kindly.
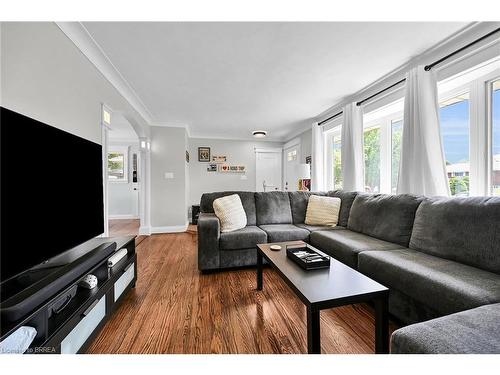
(51, 192)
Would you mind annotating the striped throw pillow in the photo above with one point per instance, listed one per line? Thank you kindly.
(323, 211)
(230, 212)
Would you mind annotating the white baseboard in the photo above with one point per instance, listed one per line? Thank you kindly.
(169, 229)
(119, 217)
(144, 231)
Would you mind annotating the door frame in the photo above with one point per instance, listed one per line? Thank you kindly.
(276, 150)
(144, 183)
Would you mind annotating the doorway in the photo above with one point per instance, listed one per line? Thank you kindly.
(122, 161)
(268, 169)
(291, 164)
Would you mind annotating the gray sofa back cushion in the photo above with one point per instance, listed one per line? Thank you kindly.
(247, 199)
(298, 204)
(346, 198)
(384, 216)
(273, 208)
(466, 230)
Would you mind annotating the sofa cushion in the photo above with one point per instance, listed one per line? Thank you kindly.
(384, 216)
(298, 204)
(314, 228)
(443, 285)
(475, 331)
(345, 245)
(247, 200)
(466, 230)
(346, 198)
(284, 232)
(244, 238)
(273, 208)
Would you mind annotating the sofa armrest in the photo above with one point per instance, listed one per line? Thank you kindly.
(208, 242)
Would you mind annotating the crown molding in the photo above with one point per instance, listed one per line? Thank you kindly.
(81, 38)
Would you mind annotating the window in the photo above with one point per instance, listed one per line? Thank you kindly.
(396, 137)
(337, 161)
(495, 138)
(383, 128)
(291, 155)
(333, 155)
(455, 130)
(117, 165)
(371, 148)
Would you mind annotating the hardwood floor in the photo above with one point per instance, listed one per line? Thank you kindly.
(126, 227)
(123, 227)
(175, 309)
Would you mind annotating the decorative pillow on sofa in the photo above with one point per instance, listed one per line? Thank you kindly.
(322, 211)
(230, 212)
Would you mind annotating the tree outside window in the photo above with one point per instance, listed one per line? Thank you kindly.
(372, 159)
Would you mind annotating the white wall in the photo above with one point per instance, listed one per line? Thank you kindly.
(44, 76)
(123, 200)
(237, 152)
(168, 196)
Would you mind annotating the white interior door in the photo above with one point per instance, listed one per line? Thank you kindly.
(291, 162)
(268, 169)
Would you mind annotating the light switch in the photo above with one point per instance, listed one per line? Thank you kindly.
(169, 175)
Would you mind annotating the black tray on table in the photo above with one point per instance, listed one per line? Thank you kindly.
(313, 261)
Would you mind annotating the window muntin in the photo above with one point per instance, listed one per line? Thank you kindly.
(371, 148)
(495, 138)
(455, 131)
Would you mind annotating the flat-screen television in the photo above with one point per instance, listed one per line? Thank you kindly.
(51, 192)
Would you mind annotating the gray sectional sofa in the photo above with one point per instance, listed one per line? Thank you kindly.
(440, 257)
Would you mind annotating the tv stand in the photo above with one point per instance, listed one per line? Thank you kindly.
(81, 312)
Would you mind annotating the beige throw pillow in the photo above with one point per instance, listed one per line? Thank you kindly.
(322, 210)
(230, 212)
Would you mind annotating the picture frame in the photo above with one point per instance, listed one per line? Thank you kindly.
(219, 158)
(212, 168)
(204, 154)
(187, 156)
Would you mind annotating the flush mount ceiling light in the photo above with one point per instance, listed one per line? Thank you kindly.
(259, 133)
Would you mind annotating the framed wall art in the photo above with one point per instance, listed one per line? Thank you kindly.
(204, 154)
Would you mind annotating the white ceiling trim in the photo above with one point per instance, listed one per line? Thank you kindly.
(82, 39)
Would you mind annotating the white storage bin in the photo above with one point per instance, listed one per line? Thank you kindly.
(124, 281)
(77, 337)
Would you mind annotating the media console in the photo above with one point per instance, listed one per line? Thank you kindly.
(68, 321)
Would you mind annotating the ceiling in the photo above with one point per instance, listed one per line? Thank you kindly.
(224, 80)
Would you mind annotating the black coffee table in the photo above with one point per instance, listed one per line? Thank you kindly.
(327, 288)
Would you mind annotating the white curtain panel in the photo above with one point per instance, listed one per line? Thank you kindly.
(317, 159)
(422, 168)
(352, 148)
